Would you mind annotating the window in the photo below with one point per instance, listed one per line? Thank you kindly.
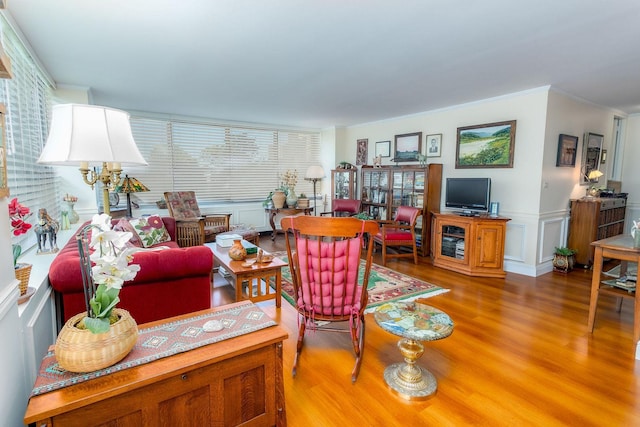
(27, 100)
(221, 163)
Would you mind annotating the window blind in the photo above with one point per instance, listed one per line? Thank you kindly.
(27, 100)
(220, 163)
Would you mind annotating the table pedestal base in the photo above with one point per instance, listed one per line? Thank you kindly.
(408, 380)
(421, 389)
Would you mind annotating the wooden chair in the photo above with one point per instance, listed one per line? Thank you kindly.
(325, 262)
(193, 228)
(399, 232)
(344, 207)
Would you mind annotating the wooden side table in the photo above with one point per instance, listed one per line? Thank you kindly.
(622, 248)
(256, 277)
(414, 322)
(283, 211)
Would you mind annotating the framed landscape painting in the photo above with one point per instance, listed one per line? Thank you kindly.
(408, 146)
(486, 146)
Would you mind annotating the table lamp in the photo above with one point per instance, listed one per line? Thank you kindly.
(593, 176)
(130, 185)
(315, 174)
(92, 136)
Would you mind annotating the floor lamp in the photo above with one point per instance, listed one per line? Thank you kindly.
(315, 174)
(128, 186)
(90, 136)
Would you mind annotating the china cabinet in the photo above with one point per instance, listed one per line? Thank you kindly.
(385, 188)
(343, 183)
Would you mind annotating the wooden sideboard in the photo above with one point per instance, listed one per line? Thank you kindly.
(232, 382)
(469, 245)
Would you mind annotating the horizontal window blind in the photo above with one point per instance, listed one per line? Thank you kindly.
(27, 100)
(220, 163)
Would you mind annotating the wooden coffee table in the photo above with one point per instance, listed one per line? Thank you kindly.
(256, 278)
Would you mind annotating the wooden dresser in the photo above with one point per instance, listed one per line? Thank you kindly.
(594, 218)
(232, 382)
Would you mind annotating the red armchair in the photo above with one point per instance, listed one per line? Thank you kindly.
(344, 207)
(399, 232)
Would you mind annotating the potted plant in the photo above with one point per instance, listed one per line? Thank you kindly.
(563, 259)
(267, 203)
(303, 201)
(18, 214)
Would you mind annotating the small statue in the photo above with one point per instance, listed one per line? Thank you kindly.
(422, 159)
(377, 161)
(46, 227)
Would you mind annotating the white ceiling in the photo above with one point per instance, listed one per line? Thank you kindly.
(322, 63)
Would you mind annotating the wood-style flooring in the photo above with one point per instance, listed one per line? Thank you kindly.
(520, 355)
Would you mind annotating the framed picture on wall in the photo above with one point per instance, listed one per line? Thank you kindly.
(383, 148)
(486, 146)
(361, 155)
(567, 150)
(408, 146)
(434, 143)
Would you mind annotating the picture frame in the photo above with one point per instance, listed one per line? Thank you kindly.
(567, 150)
(361, 154)
(489, 145)
(407, 147)
(433, 145)
(4, 185)
(383, 149)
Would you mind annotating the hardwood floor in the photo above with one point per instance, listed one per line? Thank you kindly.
(520, 355)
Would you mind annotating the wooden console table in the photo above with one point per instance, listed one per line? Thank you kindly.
(231, 382)
(283, 211)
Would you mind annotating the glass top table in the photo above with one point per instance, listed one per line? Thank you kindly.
(414, 322)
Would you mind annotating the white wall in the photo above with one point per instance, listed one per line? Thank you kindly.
(631, 170)
(534, 193)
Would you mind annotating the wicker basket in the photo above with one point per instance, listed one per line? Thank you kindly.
(80, 350)
(23, 272)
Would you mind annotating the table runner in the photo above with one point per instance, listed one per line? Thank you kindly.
(161, 341)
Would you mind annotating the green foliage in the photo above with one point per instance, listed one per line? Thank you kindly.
(565, 251)
(17, 251)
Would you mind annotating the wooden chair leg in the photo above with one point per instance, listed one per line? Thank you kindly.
(358, 343)
(298, 346)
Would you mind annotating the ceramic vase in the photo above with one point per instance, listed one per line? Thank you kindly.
(292, 199)
(73, 215)
(237, 252)
(278, 199)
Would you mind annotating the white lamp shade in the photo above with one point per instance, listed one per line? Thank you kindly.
(91, 134)
(314, 172)
(595, 174)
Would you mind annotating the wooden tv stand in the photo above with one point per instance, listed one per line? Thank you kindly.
(232, 382)
(471, 245)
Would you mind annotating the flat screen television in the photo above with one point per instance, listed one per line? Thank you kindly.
(468, 196)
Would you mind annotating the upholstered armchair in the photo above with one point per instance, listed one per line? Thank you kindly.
(401, 231)
(344, 207)
(192, 227)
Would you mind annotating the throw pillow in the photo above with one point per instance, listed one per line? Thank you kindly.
(124, 225)
(150, 230)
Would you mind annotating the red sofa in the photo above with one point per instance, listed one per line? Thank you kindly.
(170, 282)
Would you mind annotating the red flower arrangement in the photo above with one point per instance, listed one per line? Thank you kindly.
(18, 214)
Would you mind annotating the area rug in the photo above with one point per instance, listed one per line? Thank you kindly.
(385, 285)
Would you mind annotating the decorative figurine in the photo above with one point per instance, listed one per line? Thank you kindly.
(46, 227)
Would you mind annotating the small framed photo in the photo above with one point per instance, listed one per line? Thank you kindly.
(567, 149)
(408, 146)
(361, 155)
(434, 144)
(383, 148)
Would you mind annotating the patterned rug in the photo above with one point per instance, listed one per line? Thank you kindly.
(385, 285)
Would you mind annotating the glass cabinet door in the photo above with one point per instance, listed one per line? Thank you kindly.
(343, 183)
